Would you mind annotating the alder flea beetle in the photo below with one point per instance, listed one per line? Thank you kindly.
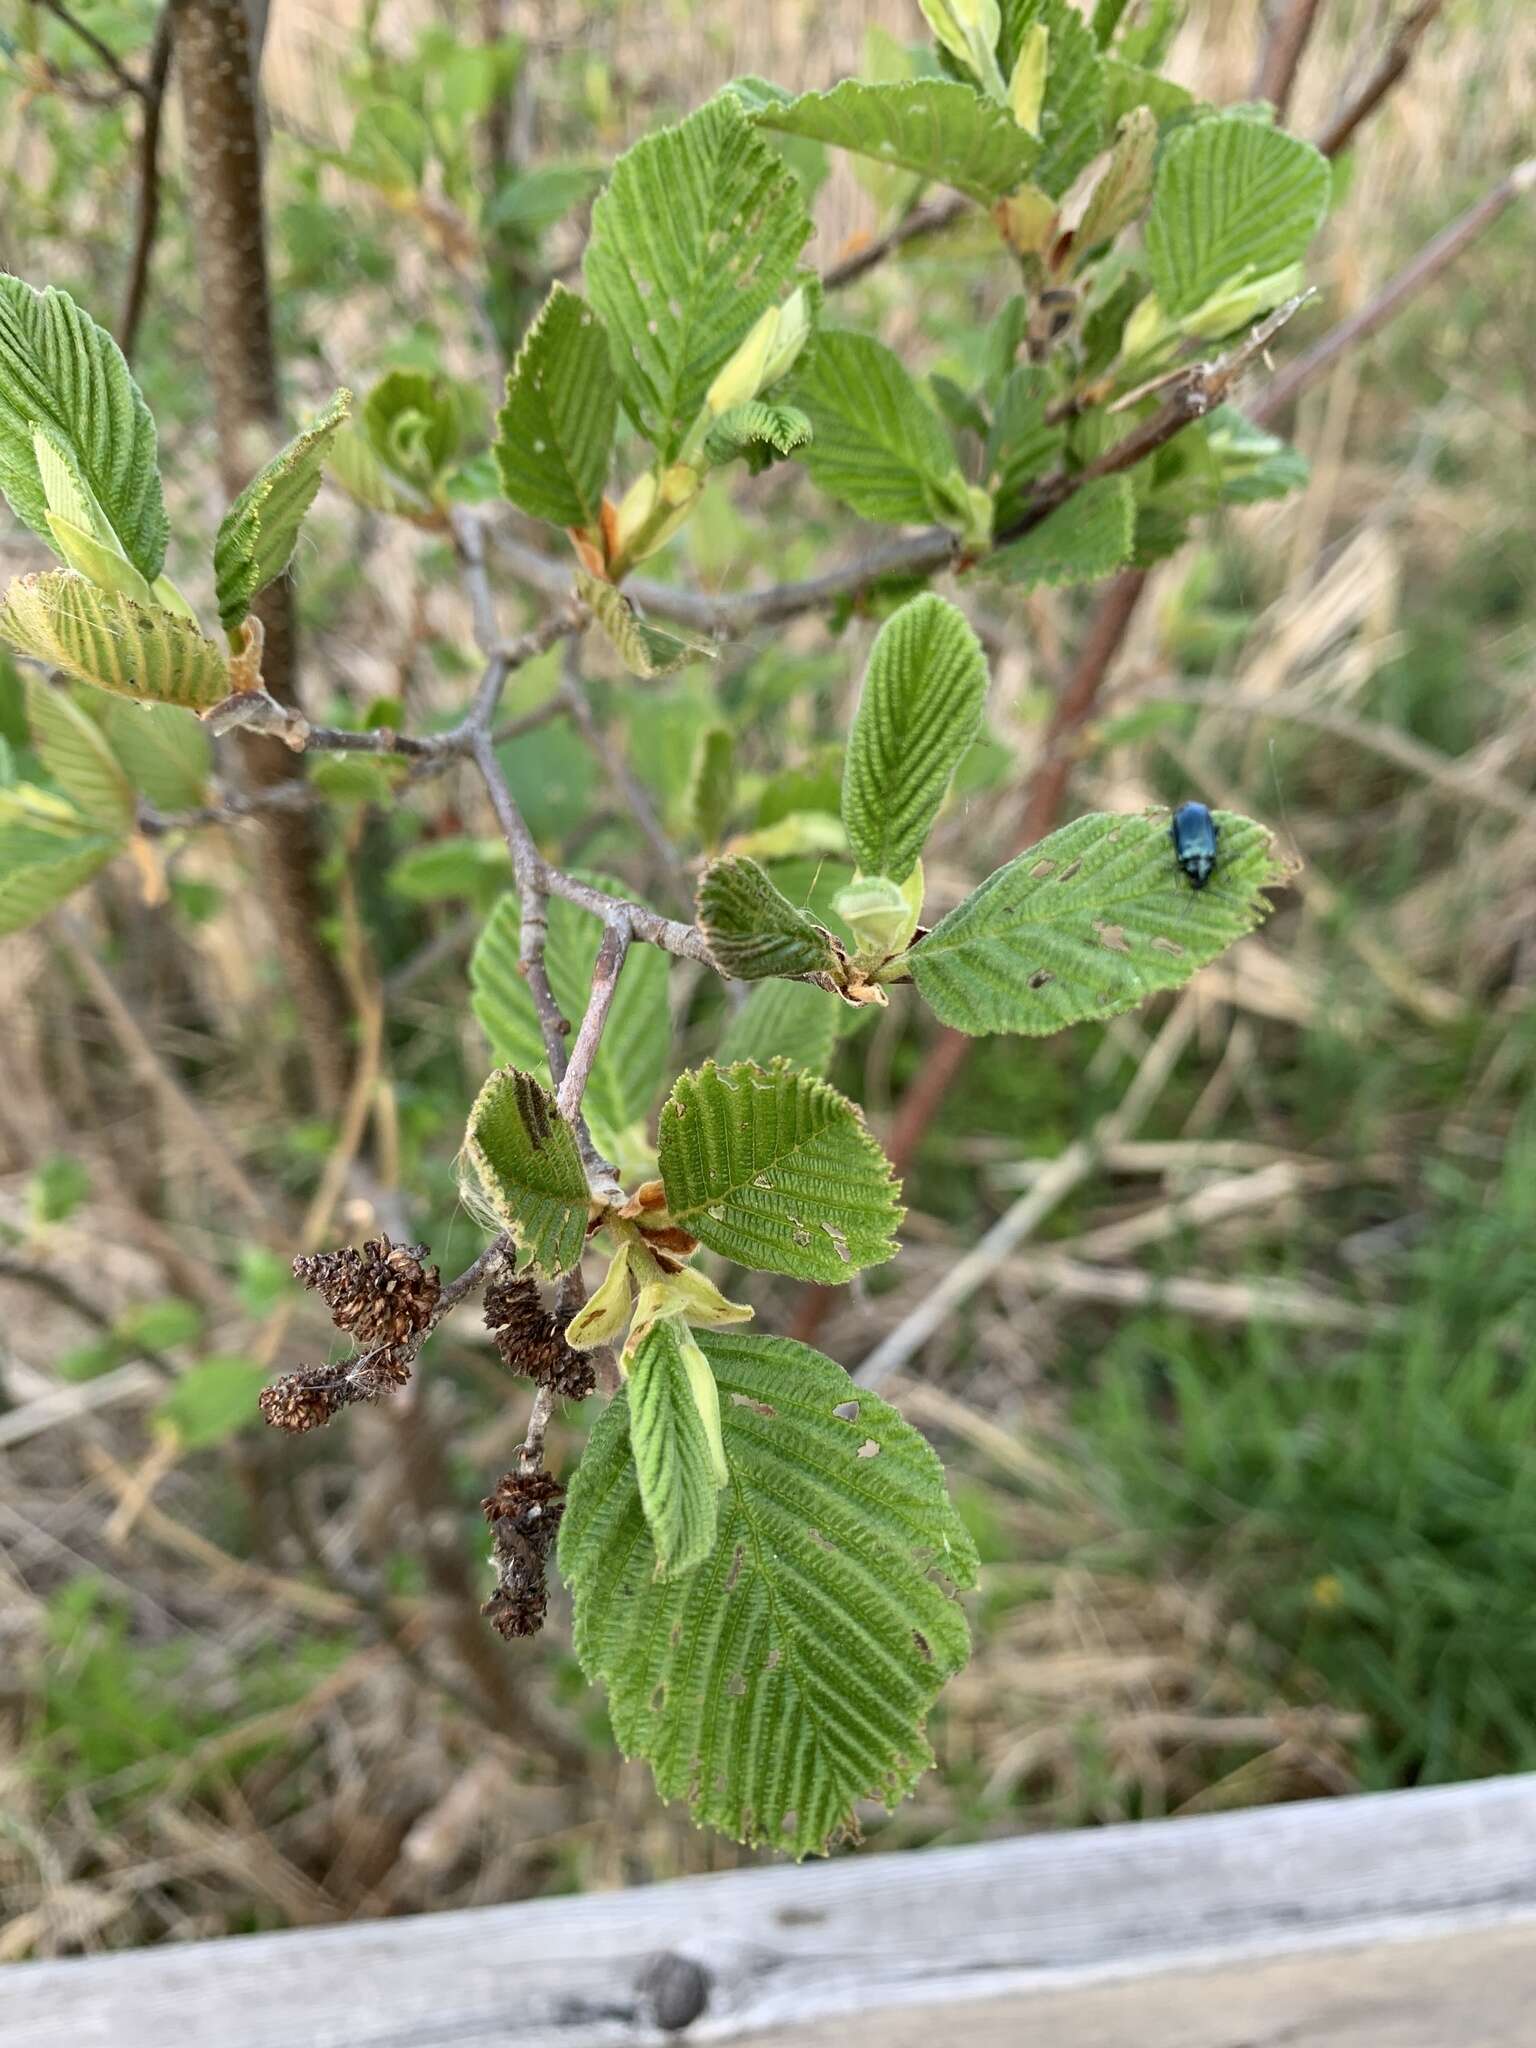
(1194, 836)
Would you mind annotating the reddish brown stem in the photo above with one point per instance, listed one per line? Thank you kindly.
(1399, 55)
(1284, 48)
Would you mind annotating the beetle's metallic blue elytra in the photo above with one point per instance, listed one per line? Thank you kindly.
(1194, 843)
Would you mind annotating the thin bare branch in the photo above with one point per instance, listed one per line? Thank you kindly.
(147, 219)
(1284, 48)
(922, 220)
(99, 49)
(606, 969)
(1398, 56)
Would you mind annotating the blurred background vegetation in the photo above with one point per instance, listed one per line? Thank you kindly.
(1245, 1430)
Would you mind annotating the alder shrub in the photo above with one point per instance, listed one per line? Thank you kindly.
(762, 1556)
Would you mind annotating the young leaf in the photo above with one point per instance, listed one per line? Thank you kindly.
(165, 753)
(257, 535)
(918, 712)
(778, 1687)
(876, 445)
(413, 421)
(753, 930)
(1072, 121)
(1128, 86)
(357, 468)
(631, 1061)
(1235, 200)
(791, 1020)
(775, 1169)
(136, 650)
(1126, 185)
(644, 649)
(758, 431)
(696, 236)
(938, 127)
(556, 428)
(44, 857)
(212, 1402)
(525, 1158)
(1023, 443)
(712, 794)
(675, 1458)
(1089, 923)
(71, 746)
(1084, 538)
(60, 371)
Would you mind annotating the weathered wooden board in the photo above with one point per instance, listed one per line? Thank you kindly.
(1402, 1921)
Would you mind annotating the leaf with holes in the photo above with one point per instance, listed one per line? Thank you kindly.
(1072, 119)
(671, 1392)
(631, 1060)
(525, 1158)
(1084, 538)
(555, 431)
(1235, 200)
(644, 649)
(918, 713)
(876, 445)
(789, 1677)
(773, 1168)
(695, 238)
(61, 372)
(136, 650)
(1091, 922)
(753, 930)
(938, 127)
(71, 746)
(791, 1020)
(257, 535)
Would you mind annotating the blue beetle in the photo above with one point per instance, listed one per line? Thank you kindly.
(1194, 836)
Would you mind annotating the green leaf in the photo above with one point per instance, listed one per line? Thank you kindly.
(413, 421)
(356, 468)
(935, 126)
(555, 431)
(918, 713)
(1084, 538)
(712, 793)
(212, 1402)
(1023, 443)
(877, 446)
(757, 431)
(166, 753)
(43, 859)
(631, 1060)
(530, 1172)
(137, 650)
(1235, 200)
(1072, 121)
(644, 649)
(1128, 86)
(71, 747)
(445, 870)
(1089, 923)
(694, 239)
(257, 535)
(753, 931)
(789, 1679)
(673, 1459)
(58, 1187)
(791, 1020)
(1126, 184)
(773, 1168)
(60, 371)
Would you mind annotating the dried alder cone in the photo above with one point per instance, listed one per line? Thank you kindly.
(383, 1294)
(531, 1339)
(524, 1513)
(310, 1397)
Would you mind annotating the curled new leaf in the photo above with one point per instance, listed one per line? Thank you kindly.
(530, 1172)
(674, 1434)
(788, 1679)
(136, 650)
(257, 536)
(753, 930)
(758, 431)
(775, 1169)
(1089, 923)
(644, 649)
